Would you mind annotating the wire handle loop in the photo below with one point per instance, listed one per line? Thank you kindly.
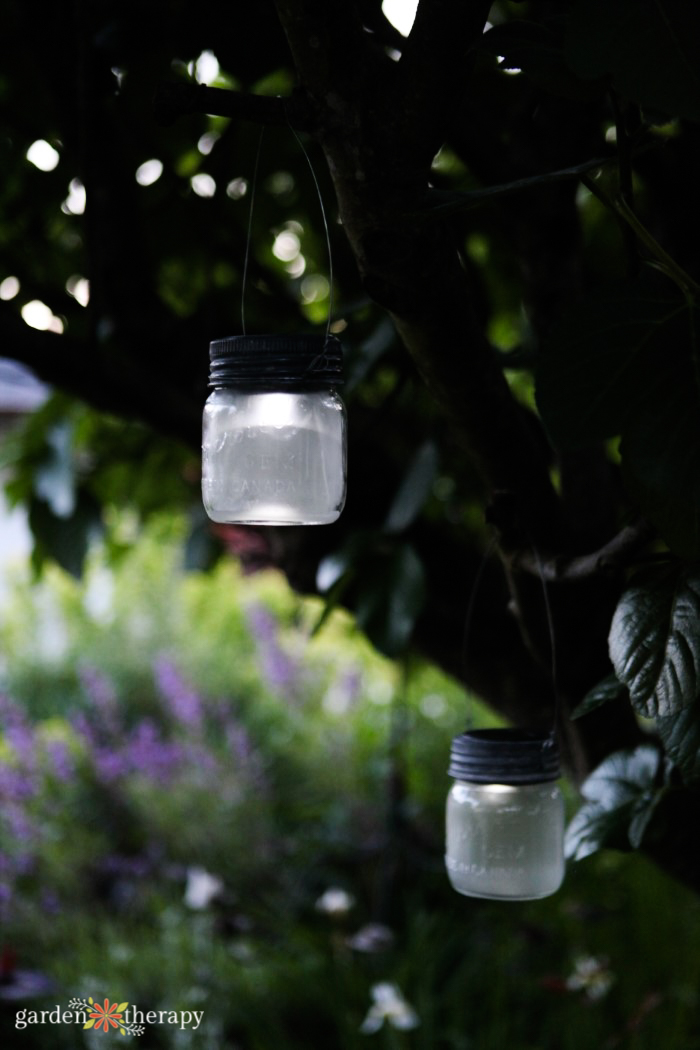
(550, 624)
(320, 359)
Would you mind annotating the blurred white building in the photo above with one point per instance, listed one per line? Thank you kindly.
(20, 393)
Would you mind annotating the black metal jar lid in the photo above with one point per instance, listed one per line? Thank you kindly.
(504, 756)
(302, 362)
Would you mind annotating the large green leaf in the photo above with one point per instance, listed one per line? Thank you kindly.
(620, 797)
(387, 579)
(414, 489)
(345, 561)
(611, 688)
(655, 641)
(54, 477)
(650, 48)
(626, 364)
(680, 734)
(65, 539)
(390, 598)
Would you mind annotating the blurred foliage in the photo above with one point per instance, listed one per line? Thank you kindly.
(194, 832)
(569, 181)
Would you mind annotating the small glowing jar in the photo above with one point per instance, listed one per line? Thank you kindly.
(505, 815)
(274, 431)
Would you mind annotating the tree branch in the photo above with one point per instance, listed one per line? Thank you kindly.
(331, 51)
(615, 555)
(440, 203)
(175, 100)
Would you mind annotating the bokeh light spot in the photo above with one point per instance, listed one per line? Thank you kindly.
(9, 288)
(203, 185)
(149, 172)
(40, 316)
(401, 14)
(42, 155)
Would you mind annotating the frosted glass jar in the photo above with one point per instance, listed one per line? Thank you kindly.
(505, 816)
(274, 431)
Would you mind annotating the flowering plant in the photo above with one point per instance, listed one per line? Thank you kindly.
(106, 1015)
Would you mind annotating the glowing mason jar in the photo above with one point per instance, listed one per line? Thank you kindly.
(505, 815)
(274, 431)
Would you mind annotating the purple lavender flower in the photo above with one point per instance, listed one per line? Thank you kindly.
(135, 867)
(5, 899)
(103, 698)
(83, 727)
(22, 741)
(61, 760)
(50, 902)
(246, 757)
(110, 764)
(16, 783)
(150, 754)
(278, 669)
(18, 823)
(183, 701)
(11, 714)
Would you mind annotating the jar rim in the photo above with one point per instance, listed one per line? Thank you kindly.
(504, 756)
(287, 362)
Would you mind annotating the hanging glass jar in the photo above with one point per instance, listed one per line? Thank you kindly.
(505, 815)
(274, 431)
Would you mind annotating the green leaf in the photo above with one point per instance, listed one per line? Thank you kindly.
(650, 48)
(368, 353)
(414, 489)
(202, 548)
(628, 364)
(65, 539)
(660, 452)
(539, 53)
(609, 689)
(344, 560)
(390, 599)
(338, 570)
(618, 796)
(655, 643)
(592, 828)
(54, 477)
(680, 735)
(604, 360)
(642, 815)
(621, 777)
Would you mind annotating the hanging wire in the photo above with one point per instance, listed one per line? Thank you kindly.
(472, 603)
(325, 226)
(552, 640)
(548, 611)
(250, 226)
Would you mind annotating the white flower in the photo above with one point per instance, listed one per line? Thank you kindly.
(335, 901)
(202, 888)
(389, 1005)
(374, 937)
(591, 976)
